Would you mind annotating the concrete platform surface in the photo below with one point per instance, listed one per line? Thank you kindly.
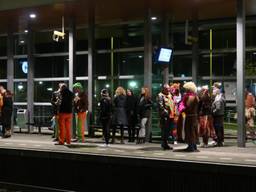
(230, 154)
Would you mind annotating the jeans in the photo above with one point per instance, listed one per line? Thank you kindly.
(143, 123)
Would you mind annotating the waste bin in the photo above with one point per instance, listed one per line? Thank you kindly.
(22, 119)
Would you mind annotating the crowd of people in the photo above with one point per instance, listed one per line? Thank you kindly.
(64, 102)
(126, 111)
(184, 117)
(185, 114)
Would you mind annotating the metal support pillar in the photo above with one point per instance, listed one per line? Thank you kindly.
(195, 50)
(72, 64)
(91, 53)
(10, 61)
(148, 60)
(30, 79)
(240, 54)
(148, 49)
(72, 52)
(165, 43)
(10, 64)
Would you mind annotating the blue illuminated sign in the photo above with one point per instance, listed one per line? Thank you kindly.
(24, 67)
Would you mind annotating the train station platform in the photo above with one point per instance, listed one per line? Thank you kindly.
(35, 160)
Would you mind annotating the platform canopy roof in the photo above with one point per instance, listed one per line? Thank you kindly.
(15, 13)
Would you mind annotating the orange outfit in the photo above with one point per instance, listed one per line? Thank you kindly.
(65, 128)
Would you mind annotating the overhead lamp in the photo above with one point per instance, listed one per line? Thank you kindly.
(32, 16)
(20, 87)
(26, 31)
(133, 84)
(153, 18)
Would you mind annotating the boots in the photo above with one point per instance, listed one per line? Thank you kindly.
(122, 140)
(141, 140)
(7, 134)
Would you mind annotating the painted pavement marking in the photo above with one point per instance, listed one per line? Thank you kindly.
(226, 158)
(120, 151)
(250, 160)
(8, 143)
(22, 144)
(101, 149)
(202, 157)
(180, 155)
(159, 154)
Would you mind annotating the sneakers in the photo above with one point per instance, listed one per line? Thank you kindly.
(203, 145)
(105, 145)
(58, 143)
(213, 143)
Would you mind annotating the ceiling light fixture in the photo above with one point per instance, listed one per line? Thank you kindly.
(32, 16)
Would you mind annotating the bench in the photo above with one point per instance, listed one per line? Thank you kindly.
(38, 123)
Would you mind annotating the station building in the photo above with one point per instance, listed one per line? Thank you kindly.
(108, 43)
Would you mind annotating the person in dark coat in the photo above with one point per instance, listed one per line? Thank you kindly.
(65, 115)
(105, 114)
(120, 116)
(7, 109)
(143, 112)
(55, 101)
(206, 128)
(131, 114)
(167, 113)
(218, 111)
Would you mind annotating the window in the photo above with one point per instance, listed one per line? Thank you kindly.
(20, 68)
(20, 91)
(221, 38)
(179, 41)
(124, 36)
(43, 90)
(3, 46)
(51, 66)
(20, 44)
(82, 41)
(129, 63)
(103, 66)
(182, 66)
(82, 65)
(45, 44)
(223, 64)
(3, 69)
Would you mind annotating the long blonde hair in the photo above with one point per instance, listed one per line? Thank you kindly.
(120, 91)
(147, 93)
